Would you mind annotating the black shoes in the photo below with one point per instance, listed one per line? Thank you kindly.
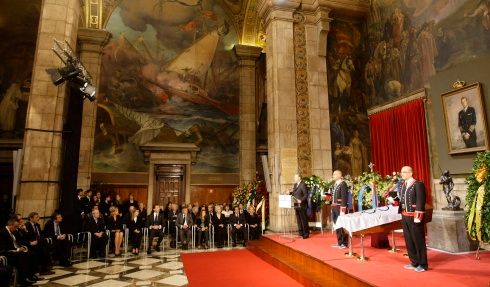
(306, 236)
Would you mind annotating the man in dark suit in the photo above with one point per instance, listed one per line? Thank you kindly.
(172, 219)
(467, 123)
(339, 206)
(96, 226)
(412, 208)
(300, 194)
(55, 230)
(184, 223)
(155, 224)
(38, 245)
(16, 254)
(237, 222)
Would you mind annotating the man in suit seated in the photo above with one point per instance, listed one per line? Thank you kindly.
(172, 219)
(55, 230)
(96, 226)
(184, 223)
(155, 224)
(16, 254)
(238, 221)
(38, 245)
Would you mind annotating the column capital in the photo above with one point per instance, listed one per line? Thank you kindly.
(93, 40)
(272, 10)
(247, 55)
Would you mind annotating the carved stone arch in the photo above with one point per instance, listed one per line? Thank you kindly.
(253, 31)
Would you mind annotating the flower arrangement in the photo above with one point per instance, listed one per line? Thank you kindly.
(478, 199)
(366, 182)
(316, 187)
(246, 193)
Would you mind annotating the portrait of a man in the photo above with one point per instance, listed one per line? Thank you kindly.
(465, 119)
(467, 123)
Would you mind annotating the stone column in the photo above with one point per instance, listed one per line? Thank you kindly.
(91, 41)
(40, 181)
(247, 56)
(281, 107)
(316, 30)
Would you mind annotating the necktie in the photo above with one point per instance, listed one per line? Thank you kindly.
(37, 231)
(155, 220)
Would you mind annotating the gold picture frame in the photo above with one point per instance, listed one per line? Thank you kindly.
(466, 123)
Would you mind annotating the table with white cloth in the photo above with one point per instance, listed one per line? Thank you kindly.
(381, 219)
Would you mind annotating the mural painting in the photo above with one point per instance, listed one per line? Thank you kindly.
(20, 26)
(348, 116)
(168, 75)
(410, 40)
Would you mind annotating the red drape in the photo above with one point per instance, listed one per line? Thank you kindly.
(399, 138)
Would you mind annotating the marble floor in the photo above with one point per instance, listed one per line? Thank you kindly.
(163, 268)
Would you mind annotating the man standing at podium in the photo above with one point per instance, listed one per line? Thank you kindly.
(300, 195)
(412, 208)
(339, 206)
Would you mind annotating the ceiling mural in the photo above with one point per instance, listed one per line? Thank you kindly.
(168, 75)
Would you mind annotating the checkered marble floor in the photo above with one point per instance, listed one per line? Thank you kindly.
(158, 269)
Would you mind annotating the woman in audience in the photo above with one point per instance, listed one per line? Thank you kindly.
(219, 223)
(253, 223)
(134, 226)
(114, 224)
(227, 212)
(202, 230)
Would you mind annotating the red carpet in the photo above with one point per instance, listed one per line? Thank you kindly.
(233, 268)
(386, 269)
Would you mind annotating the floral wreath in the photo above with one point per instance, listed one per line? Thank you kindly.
(478, 199)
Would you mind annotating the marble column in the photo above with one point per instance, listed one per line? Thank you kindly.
(247, 56)
(40, 180)
(281, 107)
(91, 41)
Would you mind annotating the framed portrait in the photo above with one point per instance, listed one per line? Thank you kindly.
(465, 118)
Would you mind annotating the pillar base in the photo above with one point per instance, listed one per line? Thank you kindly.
(447, 232)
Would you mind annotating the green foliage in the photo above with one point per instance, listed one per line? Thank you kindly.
(481, 159)
(317, 186)
(367, 178)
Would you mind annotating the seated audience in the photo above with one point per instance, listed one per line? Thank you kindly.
(184, 223)
(220, 227)
(115, 225)
(38, 245)
(16, 254)
(253, 223)
(238, 221)
(97, 228)
(202, 223)
(55, 230)
(135, 225)
(156, 227)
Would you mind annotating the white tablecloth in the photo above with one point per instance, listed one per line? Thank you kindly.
(357, 221)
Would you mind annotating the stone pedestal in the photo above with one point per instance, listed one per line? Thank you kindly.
(447, 232)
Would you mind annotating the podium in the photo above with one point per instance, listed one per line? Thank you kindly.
(286, 203)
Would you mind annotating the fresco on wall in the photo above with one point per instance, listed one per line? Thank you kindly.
(410, 40)
(348, 116)
(19, 24)
(168, 75)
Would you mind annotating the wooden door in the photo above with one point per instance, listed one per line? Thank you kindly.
(170, 184)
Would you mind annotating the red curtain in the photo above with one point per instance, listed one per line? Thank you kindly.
(399, 138)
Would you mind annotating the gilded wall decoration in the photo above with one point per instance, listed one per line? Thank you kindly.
(302, 98)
